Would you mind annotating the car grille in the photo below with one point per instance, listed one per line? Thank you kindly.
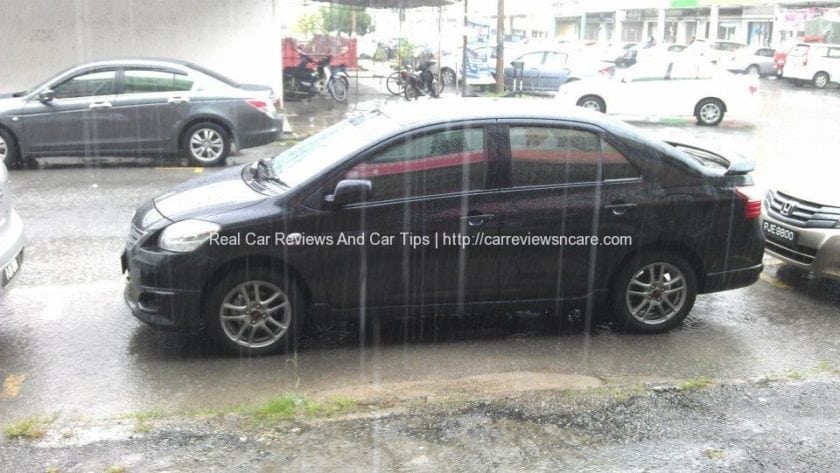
(134, 235)
(801, 254)
(801, 213)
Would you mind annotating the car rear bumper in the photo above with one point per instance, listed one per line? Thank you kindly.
(269, 132)
(817, 250)
(11, 247)
(731, 279)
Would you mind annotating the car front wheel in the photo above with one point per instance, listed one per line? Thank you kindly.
(448, 77)
(254, 312)
(8, 150)
(654, 292)
(709, 112)
(207, 144)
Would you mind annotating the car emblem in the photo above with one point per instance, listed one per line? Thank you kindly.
(787, 208)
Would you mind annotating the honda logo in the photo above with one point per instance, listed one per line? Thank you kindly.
(787, 208)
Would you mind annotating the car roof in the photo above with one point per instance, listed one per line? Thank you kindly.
(410, 114)
(136, 61)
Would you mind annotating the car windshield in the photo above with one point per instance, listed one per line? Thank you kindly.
(317, 153)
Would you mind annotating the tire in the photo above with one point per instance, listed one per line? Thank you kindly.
(9, 153)
(337, 89)
(753, 70)
(592, 102)
(395, 84)
(411, 92)
(269, 323)
(821, 80)
(660, 308)
(709, 112)
(207, 144)
(447, 77)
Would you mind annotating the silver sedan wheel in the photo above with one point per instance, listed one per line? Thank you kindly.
(4, 149)
(656, 293)
(255, 314)
(206, 145)
(710, 112)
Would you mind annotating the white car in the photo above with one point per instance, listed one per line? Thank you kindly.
(752, 60)
(667, 89)
(816, 63)
(11, 231)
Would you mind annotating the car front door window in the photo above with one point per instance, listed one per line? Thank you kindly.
(90, 84)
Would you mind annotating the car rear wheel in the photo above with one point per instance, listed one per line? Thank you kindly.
(821, 80)
(592, 102)
(9, 154)
(753, 70)
(254, 312)
(448, 77)
(207, 144)
(654, 292)
(709, 112)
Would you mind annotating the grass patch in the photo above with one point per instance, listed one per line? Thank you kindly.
(31, 428)
(794, 375)
(713, 454)
(142, 420)
(695, 383)
(289, 406)
(116, 469)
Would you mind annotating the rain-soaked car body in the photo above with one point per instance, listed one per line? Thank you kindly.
(11, 236)
(446, 207)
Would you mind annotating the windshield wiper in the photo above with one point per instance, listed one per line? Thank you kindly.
(266, 171)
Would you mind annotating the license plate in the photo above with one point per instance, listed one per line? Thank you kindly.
(779, 232)
(11, 269)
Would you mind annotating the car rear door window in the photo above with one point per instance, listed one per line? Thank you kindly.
(136, 81)
(89, 84)
(442, 162)
(615, 165)
(542, 156)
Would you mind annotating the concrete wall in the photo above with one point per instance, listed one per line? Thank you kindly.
(238, 38)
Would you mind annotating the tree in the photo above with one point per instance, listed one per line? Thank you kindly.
(309, 24)
(340, 19)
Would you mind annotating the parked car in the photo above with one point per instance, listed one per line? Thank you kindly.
(714, 51)
(11, 232)
(649, 52)
(670, 88)
(753, 60)
(817, 63)
(371, 217)
(138, 107)
(802, 226)
(543, 71)
(479, 72)
(780, 56)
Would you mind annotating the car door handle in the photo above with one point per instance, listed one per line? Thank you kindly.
(478, 220)
(99, 105)
(178, 100)
(620, 208)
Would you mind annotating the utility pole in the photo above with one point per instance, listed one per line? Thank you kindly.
(500, 48)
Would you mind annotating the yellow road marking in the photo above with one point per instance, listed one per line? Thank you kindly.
(775, 282)
(12, 385)
(198, 170)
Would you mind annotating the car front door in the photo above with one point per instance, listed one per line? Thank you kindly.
(566, 187)
(405, 245)
(77, 120)
(150, 107)
(641, 91)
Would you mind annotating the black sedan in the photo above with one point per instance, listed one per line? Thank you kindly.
(145, 107)
(447, 207)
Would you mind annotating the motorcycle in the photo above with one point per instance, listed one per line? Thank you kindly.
(302, 81)
(421, 82)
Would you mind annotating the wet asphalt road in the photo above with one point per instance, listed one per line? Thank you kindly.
(68, 344)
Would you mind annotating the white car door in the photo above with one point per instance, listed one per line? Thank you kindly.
(639, 92)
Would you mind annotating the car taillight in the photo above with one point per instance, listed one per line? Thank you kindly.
(265, 106)
(752, 201)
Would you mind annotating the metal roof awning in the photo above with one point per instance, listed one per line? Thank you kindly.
(391, 4)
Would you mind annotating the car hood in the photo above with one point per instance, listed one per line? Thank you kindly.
(209, 195)
(821, 191)
(8, 103)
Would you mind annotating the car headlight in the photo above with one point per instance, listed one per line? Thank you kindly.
(187, 235)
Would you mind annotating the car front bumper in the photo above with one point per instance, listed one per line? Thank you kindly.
(816, 250)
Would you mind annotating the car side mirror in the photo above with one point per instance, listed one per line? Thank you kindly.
(46, 95)
(350, 191)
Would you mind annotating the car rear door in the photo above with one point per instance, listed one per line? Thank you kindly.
(151, 106)
(555, 71)
(431, 189)
(565, 185)
(77, 120)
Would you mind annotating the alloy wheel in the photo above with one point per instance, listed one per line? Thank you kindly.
(709, 112)
(206, 145)
(591, 104)
(656, 293)
(255, 314)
